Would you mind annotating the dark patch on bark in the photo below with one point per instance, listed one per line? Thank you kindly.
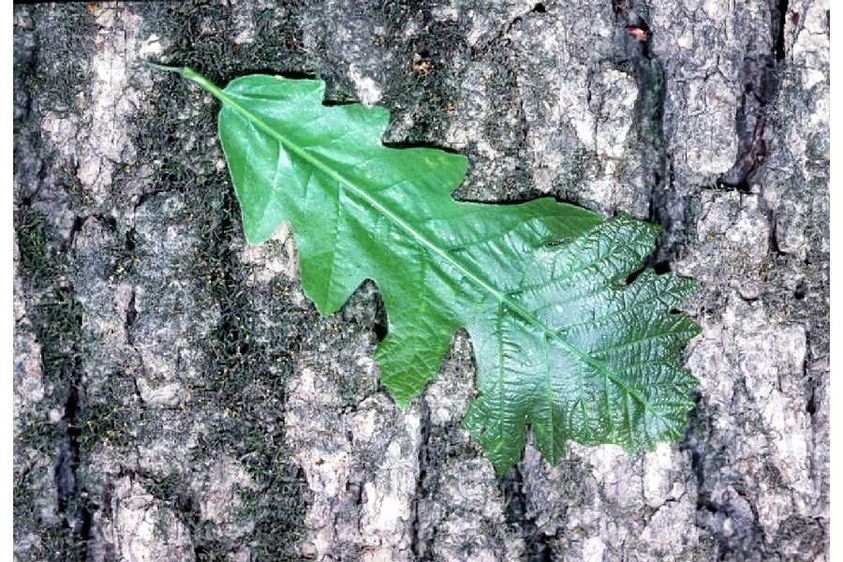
(778, 16)
(131, 316)
(761, 79)
(666, 206)
(74, 506)
(537, 547)
(416, 546)
(742, 538)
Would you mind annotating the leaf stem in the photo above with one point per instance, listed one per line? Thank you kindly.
(176, 69)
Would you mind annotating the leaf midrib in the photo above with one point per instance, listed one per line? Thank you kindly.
(502, 297)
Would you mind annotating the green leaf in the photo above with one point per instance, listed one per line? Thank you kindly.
(563, 345)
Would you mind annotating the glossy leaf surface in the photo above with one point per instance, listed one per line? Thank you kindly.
(562, 344)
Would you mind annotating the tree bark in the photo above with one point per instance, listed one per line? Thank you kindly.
(178, 398)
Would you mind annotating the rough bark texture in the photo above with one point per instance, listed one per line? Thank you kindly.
(177, 397)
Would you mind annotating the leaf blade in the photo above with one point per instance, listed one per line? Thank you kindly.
(538, 285)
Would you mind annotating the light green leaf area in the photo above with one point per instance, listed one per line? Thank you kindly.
(563, 345)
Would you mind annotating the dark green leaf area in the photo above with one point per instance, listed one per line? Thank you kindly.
(563, 345)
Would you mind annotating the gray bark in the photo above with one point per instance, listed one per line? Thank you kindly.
(178, 398)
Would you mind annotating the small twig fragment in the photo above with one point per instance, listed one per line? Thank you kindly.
(638, 33)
